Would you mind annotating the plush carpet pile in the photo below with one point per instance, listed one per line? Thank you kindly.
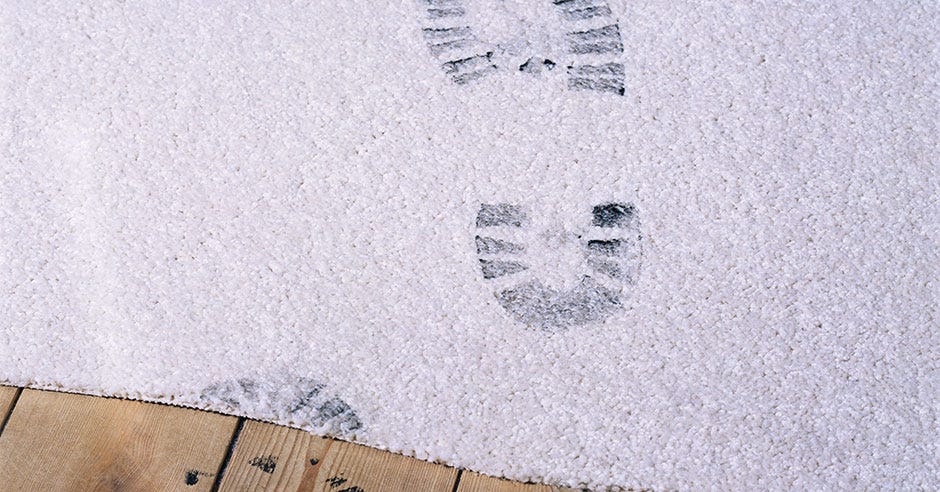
(648, 244)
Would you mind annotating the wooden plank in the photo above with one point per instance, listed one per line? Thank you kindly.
(58, 441)
(475, 482)
(8, 395)
(270, 457)
(357, 468)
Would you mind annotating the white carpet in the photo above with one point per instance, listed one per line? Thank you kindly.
(666, 245)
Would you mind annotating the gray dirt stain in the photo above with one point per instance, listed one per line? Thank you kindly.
(266, 464)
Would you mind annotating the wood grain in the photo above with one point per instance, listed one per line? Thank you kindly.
(357, 468)
(271, 457)
(7, 397)
(57, 441)
(475, 482)
(60, 441)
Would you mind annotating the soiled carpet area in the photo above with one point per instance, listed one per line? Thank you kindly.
(648, 244)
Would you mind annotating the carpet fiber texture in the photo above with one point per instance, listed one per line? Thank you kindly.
(647, 244)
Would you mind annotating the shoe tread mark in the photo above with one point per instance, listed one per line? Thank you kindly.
(492, 246)
(501, 214)
(599, 40)
(499, 268)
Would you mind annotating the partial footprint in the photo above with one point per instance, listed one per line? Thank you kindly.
(597, 263)
(474, 40)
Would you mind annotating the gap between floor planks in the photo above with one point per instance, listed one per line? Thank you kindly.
(62, 441)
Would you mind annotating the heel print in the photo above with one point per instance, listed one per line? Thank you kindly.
(609, 245)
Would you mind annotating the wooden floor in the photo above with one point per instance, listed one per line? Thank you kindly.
(59, 441)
